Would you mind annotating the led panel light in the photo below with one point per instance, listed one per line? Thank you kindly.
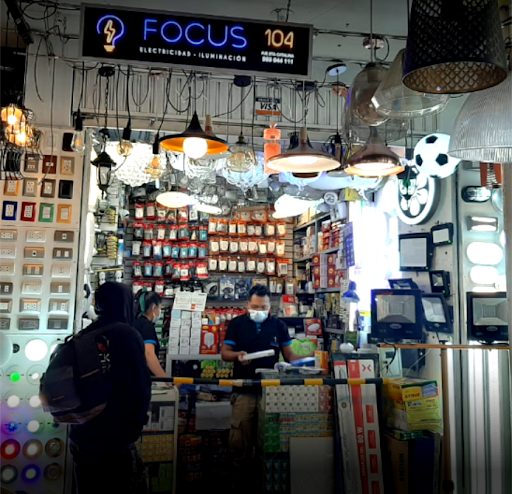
(482, 224)
(487, 316)
(415, 251)
(485, 253)
(483, 275)
(437, 314)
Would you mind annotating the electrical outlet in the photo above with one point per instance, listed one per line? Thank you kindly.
(5, 305)
(33, 270)
(7, 252)
(7, 268)
(8, 235)
(58, 305)
(60, 288)
(61, 271)
(62, 254)
(34, 252)
(28, 324)
(57, 324)
(5, 288)
(64, 236)
(30, 305)
(32, 288)
(5, 323)
(36, 236)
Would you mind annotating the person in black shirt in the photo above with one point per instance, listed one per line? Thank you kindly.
(252, 332)
(149, 306)
(104, 454)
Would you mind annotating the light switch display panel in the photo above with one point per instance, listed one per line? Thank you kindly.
(38, 280)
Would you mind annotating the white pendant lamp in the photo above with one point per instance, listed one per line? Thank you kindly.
(303, 158)
(174, 199)
(483, 128)
(374, 159)
(208, 208)
(288, 206)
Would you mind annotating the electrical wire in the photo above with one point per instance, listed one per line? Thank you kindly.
(417, 361)
(238, 106)
(51, 120)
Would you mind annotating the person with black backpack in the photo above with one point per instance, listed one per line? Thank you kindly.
(105, 457)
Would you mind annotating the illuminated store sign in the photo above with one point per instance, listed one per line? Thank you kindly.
(162, 38)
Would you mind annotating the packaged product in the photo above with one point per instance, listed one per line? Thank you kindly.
(233, 227)
(139, 211)
(137, 269)
(213, 264)
(147, 248)
(159, 287)
(157, 249)
(148, 269)
(158, 269)
(150, 211)
(136, 245)
(269, 229)
(173, 232)
(149, 232)
(203, 233)
(138, 231)
(160, 232)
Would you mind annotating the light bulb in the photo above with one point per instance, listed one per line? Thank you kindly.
(195, 147)
(13, 401)
(36, 350)
(303, 160)
(21, 138)
(78, 141)
(34, 401)
(124, 148)
(33, 426)
(12, 119)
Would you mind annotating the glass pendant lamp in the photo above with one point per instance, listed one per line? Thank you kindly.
(395, 100)
(454, 47)
(483, 128)
(242, 157)
(374, 159)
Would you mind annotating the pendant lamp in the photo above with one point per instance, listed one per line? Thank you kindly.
(483, 128)
(454, 46)
(174, 199)
(242, 157)
(272, 147)
(395, 100)
(194, 141)
(361, 93)
(303, 158)
(374, 159)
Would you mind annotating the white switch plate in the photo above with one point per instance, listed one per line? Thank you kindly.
(30, 305)
(61, 271)
(7, 252)
(60, 287)
(7, 268)
(59, 305)
(36, 236)
(33, 269)
(8, 235)
(34, 252)
(62, 254)
(31, 288)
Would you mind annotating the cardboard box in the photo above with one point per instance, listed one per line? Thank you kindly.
(397, 465)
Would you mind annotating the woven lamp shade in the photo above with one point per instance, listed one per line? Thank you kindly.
(454, 46)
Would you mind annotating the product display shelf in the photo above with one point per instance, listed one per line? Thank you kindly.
(312, 222)
(193, 357)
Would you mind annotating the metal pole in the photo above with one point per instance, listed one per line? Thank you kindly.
(448, 485)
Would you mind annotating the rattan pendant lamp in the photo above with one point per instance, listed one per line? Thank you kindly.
(454, 46)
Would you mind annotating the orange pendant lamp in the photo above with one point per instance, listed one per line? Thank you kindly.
(273, 147)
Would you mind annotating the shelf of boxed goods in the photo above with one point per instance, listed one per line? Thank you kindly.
(193, 357)
(312, 222)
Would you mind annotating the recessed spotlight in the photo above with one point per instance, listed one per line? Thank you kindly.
(337, 69)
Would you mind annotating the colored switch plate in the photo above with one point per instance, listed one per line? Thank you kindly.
(66, 189)
(64, 236)
(5, 288)
(64, 214)
(50, 165)
(48, 188)
(62, 254)
(28, 211)
(31, 163)
(67, 165)
(7, 235)
(34, 252)
(9, 210)
(30, 187)
(45, 213)
(11, 187)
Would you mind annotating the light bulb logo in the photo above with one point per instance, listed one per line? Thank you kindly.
(112, 27)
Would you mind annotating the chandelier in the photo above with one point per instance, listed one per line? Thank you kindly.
(244, 181)
(132, 169)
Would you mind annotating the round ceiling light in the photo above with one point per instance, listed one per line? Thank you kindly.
(337, 69)
(36, 350)
(174, 199)
(208, 208)
(484, 275)
(485, 253)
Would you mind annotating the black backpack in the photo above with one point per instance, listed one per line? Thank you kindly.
(78, 382)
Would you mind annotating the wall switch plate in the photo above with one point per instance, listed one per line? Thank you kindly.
(5, 323)
(62, 254)
(6, 268)
(30, 305)
(36, 236)
(58, 305)
(55, 323)
(45, 213)
(66, 189)
(8, 235)
(64, 236)
(31, 163)
(48, 188)
(49, 165)
(28, 324)
(64, 213)
(9, 210)
(5, 305)
(33, 270)
(60, 288)
(32, 288)
(67, 165)
(30, 187)
(5, 288)
(34, 252)
(61, 271)
(11, 187)
(28, 211)
(7, 252)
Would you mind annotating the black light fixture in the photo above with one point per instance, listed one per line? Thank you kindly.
(104, 163)
(440, 282)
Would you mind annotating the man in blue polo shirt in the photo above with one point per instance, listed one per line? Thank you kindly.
(252, 332)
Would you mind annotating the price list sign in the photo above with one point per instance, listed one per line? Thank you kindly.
(224, 44)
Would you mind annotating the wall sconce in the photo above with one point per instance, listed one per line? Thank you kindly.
(482, 224)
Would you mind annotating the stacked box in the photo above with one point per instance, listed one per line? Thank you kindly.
(413, 405)
(276, 473)
(156, 447)
(297, 399)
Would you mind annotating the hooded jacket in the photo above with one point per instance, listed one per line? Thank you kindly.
(122, 420)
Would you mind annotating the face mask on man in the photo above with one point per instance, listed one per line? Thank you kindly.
(258, 315)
